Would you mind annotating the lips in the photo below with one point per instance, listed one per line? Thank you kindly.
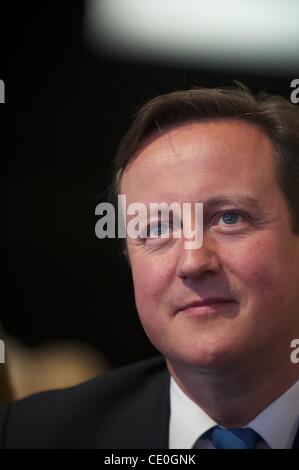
(208, 301)
(206, 305)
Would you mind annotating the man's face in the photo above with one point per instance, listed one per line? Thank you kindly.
(243, 281)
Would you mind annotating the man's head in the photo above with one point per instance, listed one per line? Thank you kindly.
(239, 157)
(276, 116)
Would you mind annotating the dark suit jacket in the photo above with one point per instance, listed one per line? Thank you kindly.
(128, 408)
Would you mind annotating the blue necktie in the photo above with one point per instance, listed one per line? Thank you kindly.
(234, 438)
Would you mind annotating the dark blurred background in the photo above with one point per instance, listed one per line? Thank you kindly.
(67, 107)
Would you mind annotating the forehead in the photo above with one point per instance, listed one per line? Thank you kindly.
(201, 157)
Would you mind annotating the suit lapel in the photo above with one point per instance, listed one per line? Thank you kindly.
(156, 430)
(296, 441)
(144, 422)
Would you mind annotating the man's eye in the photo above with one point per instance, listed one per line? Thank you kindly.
(230, 218)
(157, 230)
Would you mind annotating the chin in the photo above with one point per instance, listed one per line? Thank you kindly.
(207, 358)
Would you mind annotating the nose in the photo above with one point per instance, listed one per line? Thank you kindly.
(194, 262)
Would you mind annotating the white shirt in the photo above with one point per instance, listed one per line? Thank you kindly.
(277, 424)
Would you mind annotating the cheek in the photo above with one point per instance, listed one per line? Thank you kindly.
(259, 277)
(151, 283)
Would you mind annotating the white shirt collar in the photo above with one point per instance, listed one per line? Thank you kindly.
(277, 424)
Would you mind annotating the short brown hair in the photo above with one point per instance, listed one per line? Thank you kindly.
(275, 115)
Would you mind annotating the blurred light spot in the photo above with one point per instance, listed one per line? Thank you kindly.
(253, 34)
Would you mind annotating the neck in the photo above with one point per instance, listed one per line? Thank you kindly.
(234, 395)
